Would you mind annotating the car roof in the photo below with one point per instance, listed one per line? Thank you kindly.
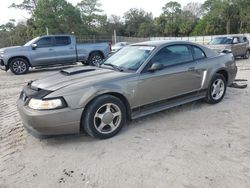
(158, 43)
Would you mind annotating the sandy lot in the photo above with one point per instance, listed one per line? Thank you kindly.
(192, 146)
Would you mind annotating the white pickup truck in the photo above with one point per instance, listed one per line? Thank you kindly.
(51, 50)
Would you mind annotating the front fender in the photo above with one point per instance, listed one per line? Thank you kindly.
(95, 92)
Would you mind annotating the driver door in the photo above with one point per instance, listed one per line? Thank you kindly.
(179, 76)
(44, 53)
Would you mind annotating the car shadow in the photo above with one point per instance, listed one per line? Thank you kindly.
(138, 123)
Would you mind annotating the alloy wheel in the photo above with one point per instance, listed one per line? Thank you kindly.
(96, 60)
(218, 89)
(19, 67)
(107, 118)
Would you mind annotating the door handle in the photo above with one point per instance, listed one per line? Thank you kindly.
(50, 49)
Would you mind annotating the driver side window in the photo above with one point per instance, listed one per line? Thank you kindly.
(44, 42)
(173, 55)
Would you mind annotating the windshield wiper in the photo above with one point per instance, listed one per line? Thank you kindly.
(114, 66)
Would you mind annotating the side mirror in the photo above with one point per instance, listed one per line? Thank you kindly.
(155, 67)
(34, 46)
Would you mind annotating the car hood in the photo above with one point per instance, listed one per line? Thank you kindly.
(11, 48)
(85, 76)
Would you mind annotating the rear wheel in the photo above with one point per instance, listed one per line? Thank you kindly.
(104, 117)
(19, 66)
(216, 90)
(95, 59)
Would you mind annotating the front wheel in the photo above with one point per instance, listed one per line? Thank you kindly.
(19, 66)
(216, 90)
(95, 59)
(104, 117)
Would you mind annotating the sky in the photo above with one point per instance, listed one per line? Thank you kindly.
(117, 7)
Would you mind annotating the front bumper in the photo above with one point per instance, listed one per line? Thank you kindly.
(50, 122)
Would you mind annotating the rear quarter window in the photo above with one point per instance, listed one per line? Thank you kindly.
(198, 53)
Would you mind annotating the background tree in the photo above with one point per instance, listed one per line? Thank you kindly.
(58, 16)
(87, 19)
(92, 14)
(172, 14)
(195, 8)
(187, 23)
(136, 20)
(28, 5)
(114, 22)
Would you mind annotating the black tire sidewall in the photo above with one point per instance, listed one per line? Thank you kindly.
(209, 98)
(90, 62)
(19, 59)
(88, 117)
(247, 54)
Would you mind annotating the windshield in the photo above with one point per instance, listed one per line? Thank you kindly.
(221, 40)
(130, 57)
(31, 41)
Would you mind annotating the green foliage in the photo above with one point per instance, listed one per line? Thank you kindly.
(13, 35)
(28, 5)
(58, 16)
(136, 21)
(87, 19)
(91, 14)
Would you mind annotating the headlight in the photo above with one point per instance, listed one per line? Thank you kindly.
(1, 53)
(46, 104)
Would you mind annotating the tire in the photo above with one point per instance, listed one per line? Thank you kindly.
(216, 90)
(19, 66)
(95, 59)
(246, 56)
(104, 117)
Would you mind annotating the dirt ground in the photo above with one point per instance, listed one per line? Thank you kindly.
(193, 146)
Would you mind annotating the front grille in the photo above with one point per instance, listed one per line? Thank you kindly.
(30, 92)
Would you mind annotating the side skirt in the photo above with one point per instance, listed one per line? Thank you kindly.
(166, 104)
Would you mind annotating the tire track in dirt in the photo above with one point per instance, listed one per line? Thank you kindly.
(12, 136)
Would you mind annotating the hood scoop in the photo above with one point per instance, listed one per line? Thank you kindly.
(76, 70)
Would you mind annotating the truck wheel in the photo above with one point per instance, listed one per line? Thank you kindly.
(19, 66)
(216, 90)
(246, 56)
(104, 117)
(95, 59)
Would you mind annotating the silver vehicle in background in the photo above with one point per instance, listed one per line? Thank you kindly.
(115, 48)
(138, 80)
(52, 50)
(236, 44)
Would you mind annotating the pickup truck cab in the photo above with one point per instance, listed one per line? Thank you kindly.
(51, 50)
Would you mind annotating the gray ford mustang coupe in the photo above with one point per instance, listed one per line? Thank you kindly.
(138, 80)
